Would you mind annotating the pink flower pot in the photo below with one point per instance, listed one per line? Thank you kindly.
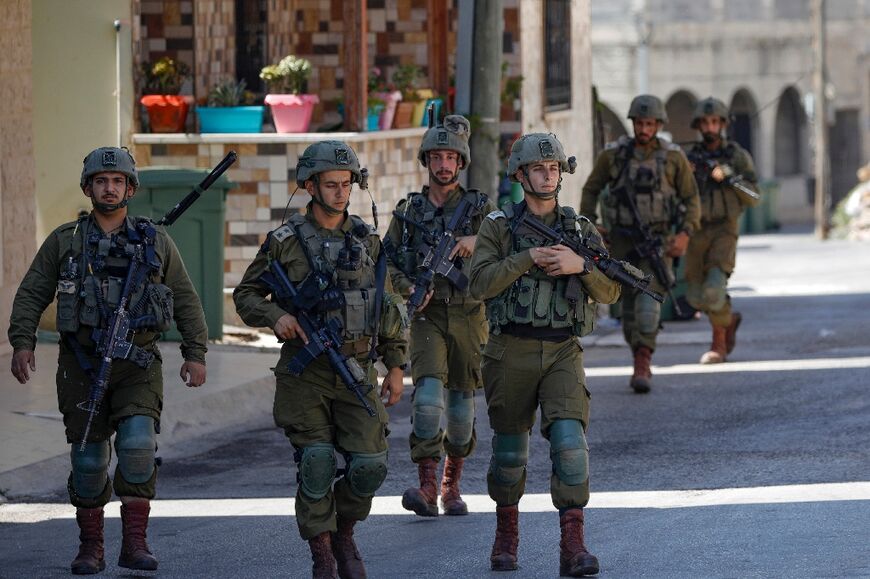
(391, 99)
(292, 112)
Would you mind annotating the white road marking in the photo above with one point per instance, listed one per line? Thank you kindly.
(730, 367)
(530, 503)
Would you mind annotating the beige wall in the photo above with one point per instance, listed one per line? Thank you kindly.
(74, 103)
(17, 244)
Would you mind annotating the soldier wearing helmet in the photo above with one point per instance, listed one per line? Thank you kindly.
(723, 170)
(656, 175)
(540, 299)
(448, 330)
(331, 256)
(84, 264)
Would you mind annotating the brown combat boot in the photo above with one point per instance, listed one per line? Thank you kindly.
(424, 500)
(451, 502)
(90, 557)
(716, 355)
(507, 538)
(574, 559)
(321, 555)
(641, 380)
(134, 549)
(731, 332)
(350, 563)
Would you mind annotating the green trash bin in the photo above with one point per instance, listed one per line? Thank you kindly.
(198, 233)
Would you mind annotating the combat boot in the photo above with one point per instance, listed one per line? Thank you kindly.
(731, 333)
(424, 500)
(321, 555)
(574, 559)
(507, 538)
(451, 502)
(90, 558)
(641, 380)
(716, 355)
(135, 553)
(350, 563)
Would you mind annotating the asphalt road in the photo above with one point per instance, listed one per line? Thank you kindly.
(756, 468)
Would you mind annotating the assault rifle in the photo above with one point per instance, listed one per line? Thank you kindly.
(437, 259)
(650, 247)
(618, 271)
(704, 165)
(322, 338)
(114, 342)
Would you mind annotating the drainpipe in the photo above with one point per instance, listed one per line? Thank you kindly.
(117, 26)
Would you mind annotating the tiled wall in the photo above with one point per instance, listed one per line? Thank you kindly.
(266, 176)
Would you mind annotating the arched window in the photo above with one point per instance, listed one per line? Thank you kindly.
(680, 107)
(789, 142)
(743, 124)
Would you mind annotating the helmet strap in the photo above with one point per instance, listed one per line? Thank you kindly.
(441, 183)
(110, 207)
(527, 186)
(318, 198)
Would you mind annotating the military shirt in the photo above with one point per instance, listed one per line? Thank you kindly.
(720, 200)
(259, 312)
(677, 172)
(40, 283)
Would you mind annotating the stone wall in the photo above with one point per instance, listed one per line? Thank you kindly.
(265, 173)
(17, 186)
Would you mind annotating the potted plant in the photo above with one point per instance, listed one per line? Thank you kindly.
(287, 80)
(386, 94)
(229, 110)
(511, 91)
(374, 113)
(167, 110)
(406, 78)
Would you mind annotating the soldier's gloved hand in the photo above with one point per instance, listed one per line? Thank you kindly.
(394, 385)
(22, 360)
(464, 246)
(678, 244)
(287, 327)
(193, 373)
(425, 303)
(557, 260)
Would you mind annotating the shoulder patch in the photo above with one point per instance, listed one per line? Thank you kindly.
(496, 215)
(283, 233)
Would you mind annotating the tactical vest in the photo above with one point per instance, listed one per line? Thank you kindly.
(645, 180)
(413, 247)
(342, 264)
(537, 299)
(718, 202)
(93, 273)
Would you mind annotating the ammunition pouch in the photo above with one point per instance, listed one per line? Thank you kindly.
(68, 301)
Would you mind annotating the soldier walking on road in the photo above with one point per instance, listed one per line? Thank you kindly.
(726, 181)
(85, 263)
(653, 175)
(540, 299)
(449, 330)
(331, 257)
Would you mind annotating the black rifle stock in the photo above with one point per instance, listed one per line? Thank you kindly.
(610, 267)
(326, 339)
(436, 260)
(198, 190)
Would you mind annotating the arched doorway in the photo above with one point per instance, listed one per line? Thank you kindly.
(680, 107)
(611, 125)
(790, 135)
(743, 125)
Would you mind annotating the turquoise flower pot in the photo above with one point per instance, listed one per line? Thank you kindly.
(230, 119)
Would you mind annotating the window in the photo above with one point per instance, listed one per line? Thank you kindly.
(557, 54)
(250, 42)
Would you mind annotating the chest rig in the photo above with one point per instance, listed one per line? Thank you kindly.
(644, 180)
(718, 202)
(342, 281)
(414, 244)
(538, 301)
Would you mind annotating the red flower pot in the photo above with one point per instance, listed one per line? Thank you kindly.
(292, 112)
(167, 113)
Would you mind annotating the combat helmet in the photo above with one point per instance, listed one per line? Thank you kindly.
(327, 156)
(109, 159)
(535, 147)
(709, 106)
(451, 135)
(647, 105)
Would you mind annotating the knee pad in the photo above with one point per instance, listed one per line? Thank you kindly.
(510, 454)
(647, 312)
(695, 295)
(366, 472)
(569, 452)
(428, 407)
(136, 444)
(715, 289)
(460, 417)
(316, 469)
(90, 469)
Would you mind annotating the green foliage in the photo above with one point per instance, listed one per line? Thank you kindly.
(289, 76)
(164, 76)
(406, 78)
(230, 94)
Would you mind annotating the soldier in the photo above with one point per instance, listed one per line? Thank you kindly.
(86, 263)
(655, 174)
(726, 181)
(449, 330)
(540, 299)
(333, 253)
